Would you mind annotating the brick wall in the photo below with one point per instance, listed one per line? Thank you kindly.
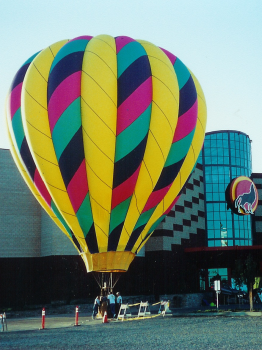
(20, 221)
(192, 300)
(53, 240)
(25, 228)
(186, 217)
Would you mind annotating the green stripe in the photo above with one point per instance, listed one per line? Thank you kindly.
(182, 73)
(179, 149)
(84, 215)
(66, 127)
(144, 218)
(127, 55)
(68, 48)
(154, 226)
(60, 218)
(118, 214)
(18, 128)
(133, 135)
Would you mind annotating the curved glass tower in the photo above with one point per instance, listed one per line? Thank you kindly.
(225, 156)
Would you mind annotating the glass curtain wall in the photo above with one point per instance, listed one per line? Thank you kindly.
(225, 156)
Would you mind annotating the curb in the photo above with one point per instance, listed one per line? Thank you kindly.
(220, 314)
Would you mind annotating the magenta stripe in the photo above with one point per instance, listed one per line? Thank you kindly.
(186, 123)
(122, 41)
(39, 183)
(78, 188)
(125, 189)
(169, 55)
(155, 198)
(83, 37)
(15, 99)
(134, 105)
(63, 96)
(172, 204)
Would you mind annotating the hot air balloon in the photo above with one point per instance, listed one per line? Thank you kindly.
(106, 131)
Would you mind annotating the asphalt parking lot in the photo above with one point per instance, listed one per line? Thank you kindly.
(181, 332)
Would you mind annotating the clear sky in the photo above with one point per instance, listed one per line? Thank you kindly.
(220, 41)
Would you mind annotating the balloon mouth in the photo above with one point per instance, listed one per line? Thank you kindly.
(109, 271)
(108, 261)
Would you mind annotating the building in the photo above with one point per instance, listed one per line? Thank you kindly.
(199, 238)
(225, 156)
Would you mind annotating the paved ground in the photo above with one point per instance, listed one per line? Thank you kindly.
(205, 331)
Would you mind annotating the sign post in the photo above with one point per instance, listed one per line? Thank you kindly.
(217, 289)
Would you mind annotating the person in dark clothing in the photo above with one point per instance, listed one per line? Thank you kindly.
(95, 307)
(103, 305)
(118, 302)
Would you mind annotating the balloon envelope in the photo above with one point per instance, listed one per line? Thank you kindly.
(106, 132)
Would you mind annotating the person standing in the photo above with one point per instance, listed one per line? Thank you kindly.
(95, 307)
(103, 305)
(118, 302)
(112, 303)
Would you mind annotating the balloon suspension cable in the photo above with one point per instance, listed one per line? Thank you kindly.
(107, 280)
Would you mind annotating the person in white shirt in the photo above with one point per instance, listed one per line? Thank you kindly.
(118, 302)
(112, 303)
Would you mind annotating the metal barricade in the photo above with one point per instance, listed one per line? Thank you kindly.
(124, 312)
(144, 309)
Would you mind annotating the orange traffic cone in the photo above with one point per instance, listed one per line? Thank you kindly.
(105, 318)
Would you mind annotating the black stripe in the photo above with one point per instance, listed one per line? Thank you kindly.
(187, 96)
(168, 175)
(28, 159)
(19, 77)
(113, 238)
(183, 189)
(76, 242)
(72, 157)
(126, 166)
(135, 74)
(64, 68)
(133, 238)
(91, 240)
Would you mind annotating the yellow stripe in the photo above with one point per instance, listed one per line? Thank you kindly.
(108, 261)
(37, 130)
(161, 132)
(140, 318)
(187, 166)
(99, 115)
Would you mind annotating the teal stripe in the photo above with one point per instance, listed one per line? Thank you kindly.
(31, 58)
(66, 127)
(118, 214)
(182, 73)
(18, 128)
(68, 48)
(127, 55)
(154, 226)
(60, 218)
(144, 218)
(179, 149)
(84, 215)
(133, 135)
